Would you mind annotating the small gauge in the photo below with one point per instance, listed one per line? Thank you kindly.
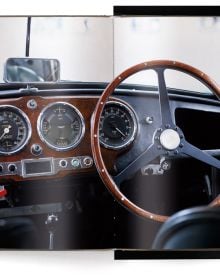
(61, 126)
(15, 129)
(118, 125)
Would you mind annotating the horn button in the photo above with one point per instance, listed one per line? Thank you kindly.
(170, 139)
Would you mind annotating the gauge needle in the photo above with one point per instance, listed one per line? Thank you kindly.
(117, 129)
(6, 131)
(120, 131)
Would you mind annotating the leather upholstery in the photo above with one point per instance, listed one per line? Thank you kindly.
(194, 228)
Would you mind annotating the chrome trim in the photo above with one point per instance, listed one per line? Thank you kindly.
(29, 129)
(49, 159)
(51, 145)
(134, 118)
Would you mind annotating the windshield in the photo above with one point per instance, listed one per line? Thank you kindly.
(192, 40)
(95, 49)
(83, 45)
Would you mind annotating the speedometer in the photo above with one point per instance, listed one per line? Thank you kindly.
(118, 125)
(61, 126)
(15, 129)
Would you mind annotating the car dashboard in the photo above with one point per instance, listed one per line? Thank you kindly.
(47, 135)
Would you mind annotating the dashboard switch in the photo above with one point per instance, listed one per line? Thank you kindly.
(87, 161)
(12, 167)
(63, 163)
(75, 162)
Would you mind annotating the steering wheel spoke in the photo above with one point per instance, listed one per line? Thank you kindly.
(142, 160)
(200, 155)
(165, 111)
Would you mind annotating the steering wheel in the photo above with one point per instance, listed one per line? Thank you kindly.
(168, 139)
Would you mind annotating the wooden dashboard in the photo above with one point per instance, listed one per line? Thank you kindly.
(86, 106)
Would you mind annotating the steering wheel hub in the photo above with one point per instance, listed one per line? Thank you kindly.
(170, 139)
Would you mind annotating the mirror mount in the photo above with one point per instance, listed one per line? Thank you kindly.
(28, 89)
(28, 37)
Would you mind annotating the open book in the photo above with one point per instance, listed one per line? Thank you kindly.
(108, 130)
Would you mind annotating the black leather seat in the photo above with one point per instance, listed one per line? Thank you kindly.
(195, 228)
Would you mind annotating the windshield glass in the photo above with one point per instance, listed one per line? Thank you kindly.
(192, 40)
(83, 45)
(95, 49)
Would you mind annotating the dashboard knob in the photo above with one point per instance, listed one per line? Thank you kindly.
(75, 162)
(87, 161)
(36, 149)
(12, 167)
(63, 163)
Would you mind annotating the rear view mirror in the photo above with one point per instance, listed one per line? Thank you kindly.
(31, 70)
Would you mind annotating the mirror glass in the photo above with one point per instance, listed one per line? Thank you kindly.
(31, 70)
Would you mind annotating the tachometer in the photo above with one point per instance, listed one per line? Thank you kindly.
(15, 129)
(61, 126)
(118, 125)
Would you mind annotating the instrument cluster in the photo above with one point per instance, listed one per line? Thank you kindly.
(61, 127)
(42, 136)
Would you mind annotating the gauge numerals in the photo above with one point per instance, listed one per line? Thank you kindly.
(61, 126)
(15, 130)
(118, 125)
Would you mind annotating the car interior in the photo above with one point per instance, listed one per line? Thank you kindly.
(128, 161)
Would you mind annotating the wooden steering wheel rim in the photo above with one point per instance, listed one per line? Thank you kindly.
(96, 151)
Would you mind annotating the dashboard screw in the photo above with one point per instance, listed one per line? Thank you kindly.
(167, 126)
(149, 120)
(32, 104)
(159, 147)
(176, 152)
(181, 145)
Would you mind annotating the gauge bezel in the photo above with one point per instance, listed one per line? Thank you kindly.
(134, 118)
(29, 128)
(54, 147)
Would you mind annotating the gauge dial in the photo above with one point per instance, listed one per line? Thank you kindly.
(118, 125)
(61, 126)
(15, 129)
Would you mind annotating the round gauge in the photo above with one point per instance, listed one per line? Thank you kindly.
(61, 126)
(15, 129)
(118, 125)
